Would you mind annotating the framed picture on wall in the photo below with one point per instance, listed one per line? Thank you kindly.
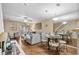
(38, 26)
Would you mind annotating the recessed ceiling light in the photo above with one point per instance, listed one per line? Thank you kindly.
(25, 21)
(58, 4)
(64, 22)
(46, 11)
(26, 4)
(55, 19)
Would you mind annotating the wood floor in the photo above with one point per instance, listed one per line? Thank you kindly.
(73, 42)
(41, 49)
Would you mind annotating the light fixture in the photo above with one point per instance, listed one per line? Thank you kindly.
(26, 4)
(46, 11)
(25, 21)
(58, 4)
(64, 22)
(55, 19)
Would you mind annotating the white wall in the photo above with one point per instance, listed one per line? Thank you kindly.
(1, 19)
(71, 25)
(47, 26)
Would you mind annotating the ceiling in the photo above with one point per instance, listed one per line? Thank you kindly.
(41, 11)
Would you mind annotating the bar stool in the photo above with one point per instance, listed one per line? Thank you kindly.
(3, 38)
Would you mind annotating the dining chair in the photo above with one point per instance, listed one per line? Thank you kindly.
(44, 37)
(53, 45)
(62, 46)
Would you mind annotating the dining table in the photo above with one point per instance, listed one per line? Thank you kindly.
(58, 40)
